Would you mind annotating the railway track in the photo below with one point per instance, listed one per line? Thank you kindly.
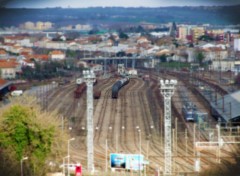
(139, 105)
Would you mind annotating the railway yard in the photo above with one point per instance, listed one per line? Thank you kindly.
(133, 123)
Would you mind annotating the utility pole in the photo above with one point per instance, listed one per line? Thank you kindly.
(167, 90)
(89, 77)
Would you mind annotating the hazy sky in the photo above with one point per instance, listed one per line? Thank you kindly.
(107, 3)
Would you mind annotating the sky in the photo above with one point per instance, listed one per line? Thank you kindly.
(111, 3)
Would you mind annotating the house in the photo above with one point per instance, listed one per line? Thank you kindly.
(225, 65)
(96, 67)
(82, 64)
(131, 51)
(21, 40)
(26, 51)
(56, 45)
(142, 40)
(16, 49)
(73, 45)
(57, 55)
(215, 53)
(27, 62)
(39, 57)
(3, 53)
(8, 46)
(8, 69)
(163, 52)
(132, 72)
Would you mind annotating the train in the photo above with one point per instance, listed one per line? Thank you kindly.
(79, 90)
(118, 85)
(189, 112)
(82, 87)
(96, 94)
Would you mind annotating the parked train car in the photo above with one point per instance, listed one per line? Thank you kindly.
(189, 112)
(146, 77)
(96, 94)
(118, 85)
(79, 90)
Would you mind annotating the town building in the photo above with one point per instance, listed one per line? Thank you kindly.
(3, 54)
(57, 55)
(8, 69)
(196, 32)
(182, 33)
(29, 25)
(236, 44)
(39, 25)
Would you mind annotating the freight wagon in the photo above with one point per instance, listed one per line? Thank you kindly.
(118, 85)
(81, 87)
(79, 90)
(96, 94)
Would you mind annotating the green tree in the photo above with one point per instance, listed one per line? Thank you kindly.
(28, 72)
(71, 53)
(205, 38)
(25, 131)
(200, 58)
(163, 58)
(123, 35)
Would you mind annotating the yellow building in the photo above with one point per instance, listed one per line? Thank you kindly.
(197, 32)
(39, 25)
(29, 25)
(48, 25)
(215, 31)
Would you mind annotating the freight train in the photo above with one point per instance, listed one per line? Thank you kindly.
(118, 85)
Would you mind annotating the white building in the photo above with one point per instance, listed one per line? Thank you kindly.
(182, 32)
(57, 55)
(132, 72)
(96, 67)
(225, 65)
(121, 69)
(236, 44)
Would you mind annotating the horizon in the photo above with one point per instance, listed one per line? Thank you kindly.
(59, 7)
(39, 4)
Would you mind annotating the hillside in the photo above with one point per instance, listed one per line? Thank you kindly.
(62, 16)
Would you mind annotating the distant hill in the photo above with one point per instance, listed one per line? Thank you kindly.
(61, 16)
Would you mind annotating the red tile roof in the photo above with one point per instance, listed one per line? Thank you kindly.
(42, 57)
(2, 52)
(56, 52)
(8, 64)
(2, 82)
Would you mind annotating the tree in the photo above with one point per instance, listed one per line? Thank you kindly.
(200, 58)
(206, 38)
(121, 54)
(163, 58)
(93, 31)
(71, 53)
(27, 131)
(123, 35)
